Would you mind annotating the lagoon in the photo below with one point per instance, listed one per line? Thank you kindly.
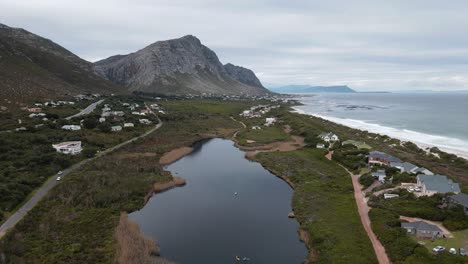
(206, 222)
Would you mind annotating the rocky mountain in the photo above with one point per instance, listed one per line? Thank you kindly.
(313, 89)
(178, 66)
(34, 68)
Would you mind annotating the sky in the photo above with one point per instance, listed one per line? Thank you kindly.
(370, 45)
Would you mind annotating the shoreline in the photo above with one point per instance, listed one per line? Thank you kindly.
(423, 145)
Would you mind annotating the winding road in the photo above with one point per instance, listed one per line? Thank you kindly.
(51, 182)
(90, 108)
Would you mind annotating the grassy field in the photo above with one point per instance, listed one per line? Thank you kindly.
(324, 204)
(459, 240)
(262, 136)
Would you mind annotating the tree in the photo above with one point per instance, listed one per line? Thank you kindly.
(90, 123)
(105, 127)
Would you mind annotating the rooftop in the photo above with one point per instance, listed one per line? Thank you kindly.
(460, 198)
(383, 155)
(421, 225)
(439, 183)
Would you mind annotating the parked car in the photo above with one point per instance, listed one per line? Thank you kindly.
(411, 189)
(462, 252)
(453, 251)
(59, 173)
(59, 178)
(438, 249)
(417, 189)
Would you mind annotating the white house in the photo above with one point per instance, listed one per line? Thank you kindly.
(145, 121)
(320, 145)
(270, 121)
(129, 125)
(327, 137)
(116, 128)
(102, 119)
(69, 147)
(71, 127)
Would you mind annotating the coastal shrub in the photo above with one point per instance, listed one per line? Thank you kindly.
(90, 122)
(366, 180)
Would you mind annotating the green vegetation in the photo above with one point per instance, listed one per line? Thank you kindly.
(262, 136)
(366, 180)
(76, 221)
(430, 208)
(324, 204)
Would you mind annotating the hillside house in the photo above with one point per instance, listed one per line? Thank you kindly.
(71, 127)
(404, 166)
(381, 158)
(129, 125)
(423, 230)
(145, 121)
(269, 121)
(459, 199)
(116, 128)
(432, 184)
(34, 110)
(69, 147)
(329, 137)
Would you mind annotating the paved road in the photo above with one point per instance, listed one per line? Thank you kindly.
(42, 191)
(90, 108)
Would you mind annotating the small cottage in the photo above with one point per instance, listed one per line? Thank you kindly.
(423, 230)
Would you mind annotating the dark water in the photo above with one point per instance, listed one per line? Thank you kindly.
(204, 222)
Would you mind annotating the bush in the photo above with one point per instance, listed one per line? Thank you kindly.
(90, 123)
(89, 152)
(104, 127)
(366, 180)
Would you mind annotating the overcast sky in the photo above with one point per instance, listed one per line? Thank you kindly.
(368, 45)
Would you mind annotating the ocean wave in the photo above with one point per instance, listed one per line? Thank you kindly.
(451, 145)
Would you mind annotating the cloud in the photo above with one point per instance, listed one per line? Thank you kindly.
(369, 44)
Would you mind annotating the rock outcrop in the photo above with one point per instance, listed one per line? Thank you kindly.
(178, 66)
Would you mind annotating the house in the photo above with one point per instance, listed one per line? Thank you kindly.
(269, 121)
(145, 121)
(381, 158)
(327, 137)
(71, 127)
(404, 166)
(320, 145)
(138, 113)
(38, 114)
(116, 128)
(460, 199)
(256, 128)
(432, 184)
(390, 195)
(129, 125)
(357, 144)
(102, 119)
(423, 230)
(379, 175)
(34, 110)
(69, 147)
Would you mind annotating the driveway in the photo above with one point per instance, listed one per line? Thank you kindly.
(51, 182)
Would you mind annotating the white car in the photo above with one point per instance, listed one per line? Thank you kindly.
(453, 251)
(59, 173)
(417, 189)
(59, 178)
(411, 189)
(438, 249)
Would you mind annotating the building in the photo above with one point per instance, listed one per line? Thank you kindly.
(69, 147)
(116, 128)
(34, 110)
(381, 158)
(145, 121)
(422, 170)
(129, 125)
(390, 195)
(320, 145)
(432, 184)
(256, 128)
(102, 119)
(404, 166)
(423, 230)
(357, 144)
(460, 199)
(327, 137)
(379, 175)
(269, 121)
(71, 127)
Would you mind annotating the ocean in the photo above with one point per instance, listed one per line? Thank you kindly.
(426, 119)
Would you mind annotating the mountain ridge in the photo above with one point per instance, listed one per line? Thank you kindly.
(178, 66)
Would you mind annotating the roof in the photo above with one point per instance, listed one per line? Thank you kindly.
(460, 198)
(421, 225)
(421, 169)
(379, 173)
(439, 183)
(406, 166)
(383, 155)
(327, 134)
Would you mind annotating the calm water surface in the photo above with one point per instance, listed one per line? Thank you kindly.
(204, 222)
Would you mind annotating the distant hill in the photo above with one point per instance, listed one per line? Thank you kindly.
(313, 89)
(179, 66)
(35, 68)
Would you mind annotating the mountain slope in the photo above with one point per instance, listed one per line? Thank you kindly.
(32, 68)
(313, 89)
(178, 66)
